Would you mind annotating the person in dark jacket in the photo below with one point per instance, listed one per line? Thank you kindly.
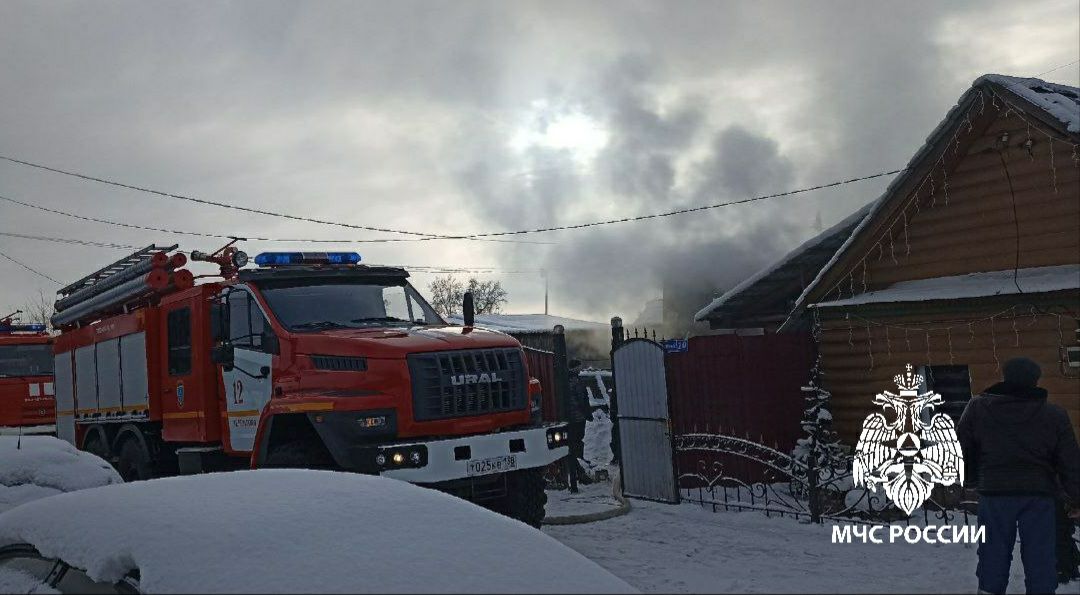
(578, 414)
(1019, 449)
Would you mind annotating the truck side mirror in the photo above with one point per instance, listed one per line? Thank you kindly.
(219, 319)
(223, 354)
(468, 311)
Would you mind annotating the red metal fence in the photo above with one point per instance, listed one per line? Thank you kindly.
(743, 386)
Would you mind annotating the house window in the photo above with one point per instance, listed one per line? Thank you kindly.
(953, 383)
(178, 325)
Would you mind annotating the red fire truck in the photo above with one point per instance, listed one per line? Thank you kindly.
(26, 377)
(307, 360)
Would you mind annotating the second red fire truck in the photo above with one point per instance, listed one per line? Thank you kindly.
(307, 360)
(26, 377)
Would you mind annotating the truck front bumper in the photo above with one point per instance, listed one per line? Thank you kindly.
(474, 456)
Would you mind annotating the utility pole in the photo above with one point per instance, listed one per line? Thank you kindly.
(543, 273)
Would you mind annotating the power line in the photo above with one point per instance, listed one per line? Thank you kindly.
(24, 236)
(429, 236)
(209, 202)
(421, 268)
(683, 211)
(230, 236)
(30, 268)
(1058, 68)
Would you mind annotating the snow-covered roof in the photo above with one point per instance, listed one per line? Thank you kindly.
(529, 323)
(811, 253)
(974, 285)
(1060, 101)
(292, 530)
(1055, 101)
(38, 466)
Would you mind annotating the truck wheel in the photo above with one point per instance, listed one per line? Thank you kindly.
(134, 462)
(526, 497)
(299, 454)
(96, 446)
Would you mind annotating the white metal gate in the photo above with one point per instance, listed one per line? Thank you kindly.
(644, 422)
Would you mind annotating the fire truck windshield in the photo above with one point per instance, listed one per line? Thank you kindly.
(25, 360)
(308, 307)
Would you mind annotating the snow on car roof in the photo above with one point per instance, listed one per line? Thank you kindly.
(39, 466)
(1031, 280)
(278, 530)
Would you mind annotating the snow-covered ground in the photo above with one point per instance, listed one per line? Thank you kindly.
(684, 548)
(593, 497)
(38, 466)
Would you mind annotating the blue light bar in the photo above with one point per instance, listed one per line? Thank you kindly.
(22, 328)
(269, 259)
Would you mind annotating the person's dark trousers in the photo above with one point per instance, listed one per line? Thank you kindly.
(1004, 517)
(1068, 556)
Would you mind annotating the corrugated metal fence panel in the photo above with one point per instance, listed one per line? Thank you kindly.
(647, 470)
(542, 367)
(744, 386)
(639, 369)
(644, 431)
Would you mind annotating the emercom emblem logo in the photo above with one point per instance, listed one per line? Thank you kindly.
(906, 455)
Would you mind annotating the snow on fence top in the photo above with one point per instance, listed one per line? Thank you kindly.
(293, 531)
(973, 285)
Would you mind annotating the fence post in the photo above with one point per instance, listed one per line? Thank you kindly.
(617, 339)
(562, 397)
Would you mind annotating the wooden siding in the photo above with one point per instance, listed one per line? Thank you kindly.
(847, 347)
(976, 230)
(973, 231)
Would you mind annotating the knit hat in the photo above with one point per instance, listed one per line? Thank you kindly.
(1021, 371)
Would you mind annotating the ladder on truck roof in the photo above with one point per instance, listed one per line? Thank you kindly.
(124, 263)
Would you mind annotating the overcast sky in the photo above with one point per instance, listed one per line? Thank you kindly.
(459, 117)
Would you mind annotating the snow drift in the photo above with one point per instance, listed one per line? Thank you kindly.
(298, 531)
(44, 466)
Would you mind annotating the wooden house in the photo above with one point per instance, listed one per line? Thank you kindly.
(971, 257)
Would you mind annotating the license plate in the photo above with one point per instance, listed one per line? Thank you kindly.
(492, 465)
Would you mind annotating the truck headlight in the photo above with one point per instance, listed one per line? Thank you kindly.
(557, 437)
(402, 457)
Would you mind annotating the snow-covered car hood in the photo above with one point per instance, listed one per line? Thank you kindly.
(278, 530)
(38, 466)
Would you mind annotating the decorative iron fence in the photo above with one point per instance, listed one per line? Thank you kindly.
(790, 488)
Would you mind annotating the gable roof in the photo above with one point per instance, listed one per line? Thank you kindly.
(1058, 106)
(782, 279)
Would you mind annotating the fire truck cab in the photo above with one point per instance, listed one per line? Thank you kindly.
(26, 377)
(310, 360)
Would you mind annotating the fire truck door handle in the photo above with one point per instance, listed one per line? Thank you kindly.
(263, 372)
